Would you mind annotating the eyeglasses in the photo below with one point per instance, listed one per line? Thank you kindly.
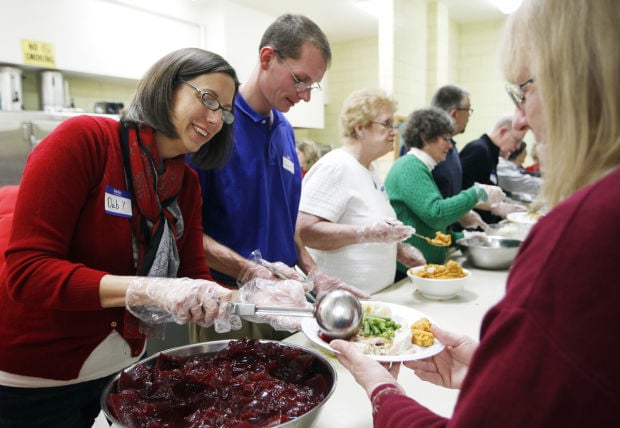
(211, 102)
(515, 92)
(299, 85)
(469, 111)
(388, 124)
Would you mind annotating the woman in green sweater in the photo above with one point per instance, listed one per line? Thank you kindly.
(413, 193)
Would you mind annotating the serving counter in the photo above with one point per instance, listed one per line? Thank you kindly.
(349, 407)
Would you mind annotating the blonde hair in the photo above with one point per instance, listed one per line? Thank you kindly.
(361, 108)
(571, 51)
(310, 151)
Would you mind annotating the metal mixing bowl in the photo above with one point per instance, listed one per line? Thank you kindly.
(489, 252)
(321, 365)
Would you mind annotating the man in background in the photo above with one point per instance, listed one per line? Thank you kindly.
(448, 175)
(479, 159)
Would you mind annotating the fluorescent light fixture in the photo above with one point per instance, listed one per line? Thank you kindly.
(372, 7)
(506, 6)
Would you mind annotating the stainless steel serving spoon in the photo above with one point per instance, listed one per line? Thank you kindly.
(338, 313)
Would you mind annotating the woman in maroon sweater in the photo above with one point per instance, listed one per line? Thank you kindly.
(106, 235)
(548, 353)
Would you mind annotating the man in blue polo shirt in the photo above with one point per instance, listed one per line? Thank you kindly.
(252, 202)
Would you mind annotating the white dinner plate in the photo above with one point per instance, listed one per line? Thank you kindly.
(522, 217)
(402, 315)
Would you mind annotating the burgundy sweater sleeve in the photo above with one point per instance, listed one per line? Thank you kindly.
(57, 192)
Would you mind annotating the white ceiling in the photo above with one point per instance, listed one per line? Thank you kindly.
(342, 20)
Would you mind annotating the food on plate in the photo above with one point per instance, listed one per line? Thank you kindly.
(378, 326)
(450, 270)
(248, 383)
(421, 334)
(381, 334)
(441, 239)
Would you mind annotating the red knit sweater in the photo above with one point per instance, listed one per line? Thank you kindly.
(63, 242)
(548, 355)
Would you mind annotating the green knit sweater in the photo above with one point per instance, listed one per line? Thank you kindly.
(418, 203)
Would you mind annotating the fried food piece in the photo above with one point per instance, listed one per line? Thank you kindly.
(441, 239)
(421, 333)
(450, 270)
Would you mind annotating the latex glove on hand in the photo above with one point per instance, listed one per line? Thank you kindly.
(503, 209)
(472, 234)
(324, 283)
(387, 230)
(267, 270)
(410, 256)
(282, 293)
(159, 300)
(472, 220)
(489, 194)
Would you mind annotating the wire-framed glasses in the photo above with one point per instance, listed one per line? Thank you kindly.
(210, 101)
(299, 85)
(515, 92)
(388, 124)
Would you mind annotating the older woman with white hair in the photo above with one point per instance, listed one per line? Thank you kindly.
(345, 217)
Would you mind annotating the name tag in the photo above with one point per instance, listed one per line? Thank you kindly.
(117, 202)
(288, 165)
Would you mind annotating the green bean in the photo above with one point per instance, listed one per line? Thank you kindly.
(374, 325)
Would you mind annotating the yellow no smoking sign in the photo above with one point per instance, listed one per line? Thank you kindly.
(38, 53)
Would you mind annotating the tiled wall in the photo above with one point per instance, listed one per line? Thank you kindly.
(465, 54)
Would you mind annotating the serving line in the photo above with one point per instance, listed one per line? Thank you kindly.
(349, 405)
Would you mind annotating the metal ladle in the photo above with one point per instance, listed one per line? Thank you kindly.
(338, 313)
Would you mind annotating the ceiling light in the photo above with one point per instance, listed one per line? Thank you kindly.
(506, 6)
(372, 7)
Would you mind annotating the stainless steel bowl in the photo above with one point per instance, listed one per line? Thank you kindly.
(489, 252)
(306, 420)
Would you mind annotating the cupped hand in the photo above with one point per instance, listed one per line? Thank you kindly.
(410, 256)
(367, 372)
(449, 367)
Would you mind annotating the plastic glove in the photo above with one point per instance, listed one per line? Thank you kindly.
(158, 300)
(386, 230)
(489, 194)
(282, 293)
(410, 256)
(324, 283)
(503, 209)
(472, 234)
(472, 220)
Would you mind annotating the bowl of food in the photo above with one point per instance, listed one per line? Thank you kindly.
(439, 282)
(489, 252)
(222, 383)
(524, 220)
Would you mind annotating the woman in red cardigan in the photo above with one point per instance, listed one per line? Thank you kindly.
(106, 235)
(548, 352)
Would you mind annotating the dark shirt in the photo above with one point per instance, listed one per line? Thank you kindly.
(448, 175)
(479, 161)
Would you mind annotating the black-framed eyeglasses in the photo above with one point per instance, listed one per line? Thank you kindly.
(299, 85)
(515, 92)
(388, 124)
(469, 111)
(210, 101)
